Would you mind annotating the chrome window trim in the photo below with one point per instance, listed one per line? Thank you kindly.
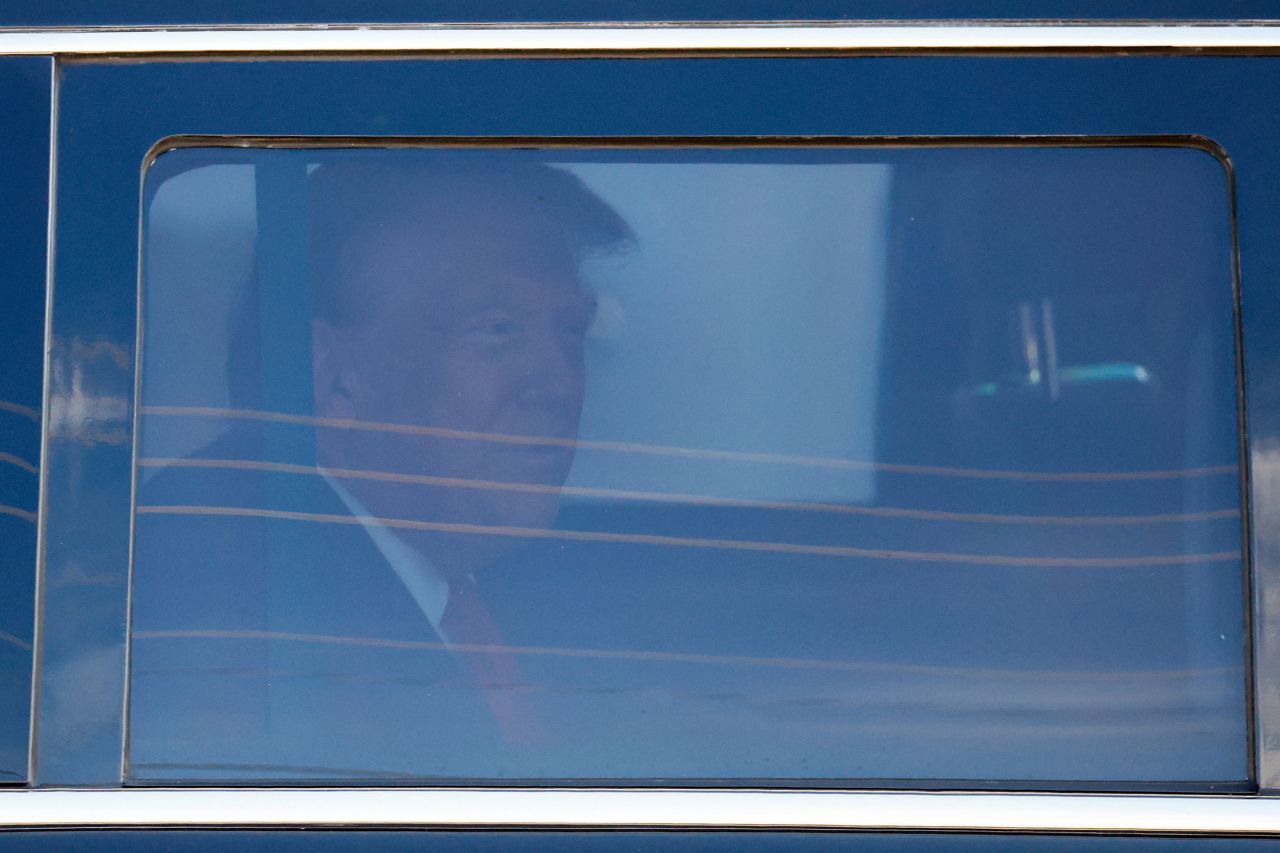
(648, 37)
(46, 394)
(688, 809)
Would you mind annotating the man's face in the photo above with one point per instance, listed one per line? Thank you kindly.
(476, 337)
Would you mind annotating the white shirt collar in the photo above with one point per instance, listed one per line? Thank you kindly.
(424, 581)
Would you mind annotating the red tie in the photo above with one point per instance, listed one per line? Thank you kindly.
(470, 629)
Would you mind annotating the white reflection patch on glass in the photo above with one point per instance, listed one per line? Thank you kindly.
(746, 320)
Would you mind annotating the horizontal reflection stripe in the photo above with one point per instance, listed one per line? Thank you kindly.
(681, 657)
(683, 452)
(18, 462)
(6, 637)
(683, 498)
(690, 542)
(19, 409)
(25, 515)
(901, 702)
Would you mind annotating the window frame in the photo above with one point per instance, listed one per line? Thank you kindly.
(242, 151)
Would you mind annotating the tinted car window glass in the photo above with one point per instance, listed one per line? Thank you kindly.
(802, 464)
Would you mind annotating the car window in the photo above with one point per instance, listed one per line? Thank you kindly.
(775, 463)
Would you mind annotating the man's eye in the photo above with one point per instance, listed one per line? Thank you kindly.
(491, 332)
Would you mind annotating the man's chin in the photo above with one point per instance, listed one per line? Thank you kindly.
(535, 514)
(473, 533)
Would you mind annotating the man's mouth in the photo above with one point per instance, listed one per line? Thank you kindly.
(537, 462)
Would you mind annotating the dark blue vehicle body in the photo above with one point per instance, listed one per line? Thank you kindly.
(68, 366)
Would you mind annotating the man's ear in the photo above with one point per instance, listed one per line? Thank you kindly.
(336, 383)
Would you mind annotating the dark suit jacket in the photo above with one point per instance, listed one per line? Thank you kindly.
(275, 648)
(268, 648)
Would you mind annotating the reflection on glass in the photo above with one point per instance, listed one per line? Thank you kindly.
(19, 483)
(773, 464)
